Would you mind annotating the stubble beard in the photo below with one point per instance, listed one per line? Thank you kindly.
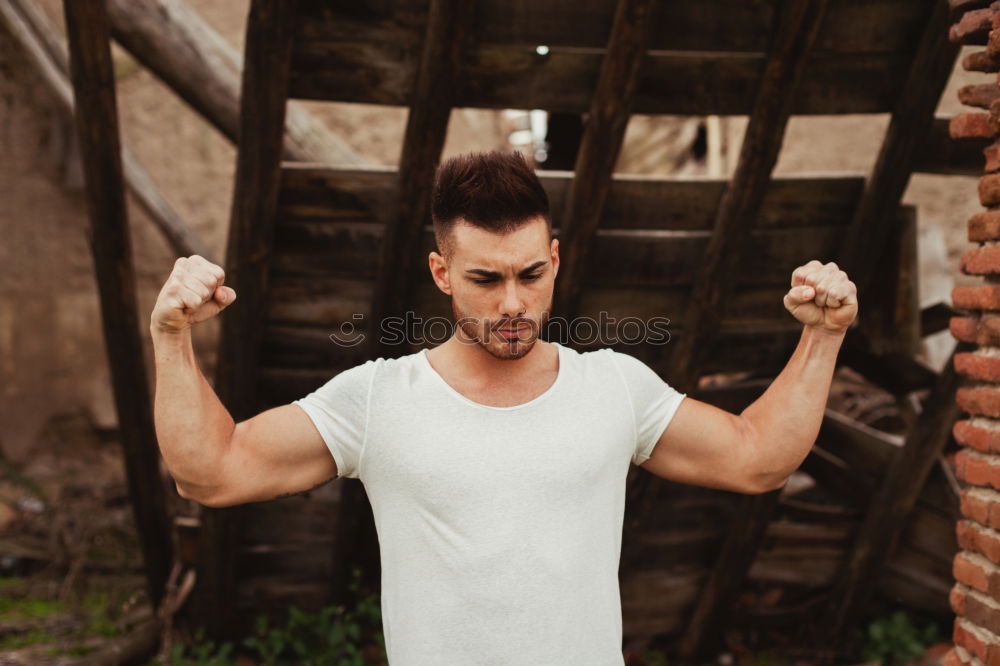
(496, 344)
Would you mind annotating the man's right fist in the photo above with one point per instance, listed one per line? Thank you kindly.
(191, 294)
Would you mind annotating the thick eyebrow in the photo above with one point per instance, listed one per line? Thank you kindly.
(493, 274)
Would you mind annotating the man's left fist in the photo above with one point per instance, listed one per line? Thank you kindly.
(822, 296)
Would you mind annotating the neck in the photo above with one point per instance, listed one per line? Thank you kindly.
(477, 362)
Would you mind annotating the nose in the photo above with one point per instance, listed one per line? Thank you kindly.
(512, 305)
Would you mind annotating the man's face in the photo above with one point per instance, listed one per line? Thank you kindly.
(500, 282)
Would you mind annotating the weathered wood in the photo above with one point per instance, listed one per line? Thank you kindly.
(48, 54)
(935, 318)
(383, 72)
(719, 267)
(173, 42)
(304, 300)
(617, 258)
(315, 193)
(433, 97)
(97, 131)
(894, 326)
(738, 553)
(262, 113)
(602, 141)
(938, 153)
(897, 373)
(893, 502)
(912, 116)
(794, 36)
(851, 26)
(959, 7)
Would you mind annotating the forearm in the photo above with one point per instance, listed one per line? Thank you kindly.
(785, 420)
(192, 426)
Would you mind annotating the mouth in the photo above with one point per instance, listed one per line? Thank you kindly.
(511, 333)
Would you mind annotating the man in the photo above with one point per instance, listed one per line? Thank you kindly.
(496, 462)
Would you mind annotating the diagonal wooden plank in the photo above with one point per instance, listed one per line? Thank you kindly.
(873, 223)
(890, 507)
(93, 79)
(794, 35)
(601, 143)
(47, 52)
(741, 202)
(248, 255)
(426, 127)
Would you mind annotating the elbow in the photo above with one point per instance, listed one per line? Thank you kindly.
(766, 484)
(212, 500)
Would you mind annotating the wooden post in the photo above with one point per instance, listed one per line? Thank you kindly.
(602, 140)
(890, 507)
(97, 129)
(248, 255)
(875, 220)
(426, 127)
(798, 25)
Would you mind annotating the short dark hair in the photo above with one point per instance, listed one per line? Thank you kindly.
(497, 191)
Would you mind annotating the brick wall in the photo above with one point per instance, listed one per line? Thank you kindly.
(975, 597)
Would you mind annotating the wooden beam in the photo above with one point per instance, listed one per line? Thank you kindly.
(741, 202)
(602, 141)
(673, 82)
(793, 38)
(935, 318)
(734, 26)
(874, 221)
(48, 54)
(248, 256)
(635, 202)
(97, 130)
(890, 508)
(737, 555)
(426, 128)
(172, 41)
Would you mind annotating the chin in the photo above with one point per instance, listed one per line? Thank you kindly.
(509, 351)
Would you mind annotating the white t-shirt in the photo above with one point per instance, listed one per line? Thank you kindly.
(499, 528)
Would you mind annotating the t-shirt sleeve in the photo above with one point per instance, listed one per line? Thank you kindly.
(339, 410)
(654, 403)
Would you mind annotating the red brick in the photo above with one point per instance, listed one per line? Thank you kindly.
(957, 598)
(978, 641)
(964, 328)
(989, 189)
(993, 43)
(992, 155)
(972, 28)
(980, 434)
(978, 365)
(979, 469)
(970, 126)
(981, 505)
(985, 226)
(978, 539)
(979, 297)
(979, 94)
(980, 61)
(951, 658)
(981, 330)
(981, 261)
(979, 400)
